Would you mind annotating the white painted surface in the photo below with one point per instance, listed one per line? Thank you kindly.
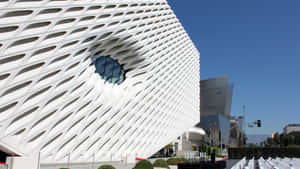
(22, 162)
(95, 165)
(51, 100)
(158, 168)
(197, 130)
(173, 166)
(3, 166)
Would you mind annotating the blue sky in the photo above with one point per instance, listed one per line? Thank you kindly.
(257, 43)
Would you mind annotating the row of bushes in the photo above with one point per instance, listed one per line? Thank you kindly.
(265, 152)
(145, 164)
(161, 163)
(175, 161)
(203, 165)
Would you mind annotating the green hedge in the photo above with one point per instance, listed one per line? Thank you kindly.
(265, 152)
(175, 161)
(160, 163)
(106, 167)
(144, 164)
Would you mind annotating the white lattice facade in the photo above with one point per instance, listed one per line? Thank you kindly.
(53, 102)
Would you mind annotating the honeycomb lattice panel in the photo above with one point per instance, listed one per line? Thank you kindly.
(51, 100)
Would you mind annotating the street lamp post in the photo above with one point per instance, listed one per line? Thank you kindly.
(221, 141)
(69, 160)
(93, 161)
(244, 114)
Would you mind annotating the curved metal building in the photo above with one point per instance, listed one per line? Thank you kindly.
(84, 79)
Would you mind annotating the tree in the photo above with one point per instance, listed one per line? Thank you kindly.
(276, 139)
(270, 142)
(252, 145)
(285, 140)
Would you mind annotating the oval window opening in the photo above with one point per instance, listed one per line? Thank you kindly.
(109, 70)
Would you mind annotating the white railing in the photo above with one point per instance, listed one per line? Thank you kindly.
(251, 164)
(270, 163)
(279, 163)
(240, 165)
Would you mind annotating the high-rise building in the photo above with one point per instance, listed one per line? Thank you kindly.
(102, 80)
(215, 106)
(290, 128)
(216, 96)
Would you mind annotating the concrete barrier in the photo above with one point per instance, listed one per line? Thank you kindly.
(96, 165)
(3, 166)
(22, 163)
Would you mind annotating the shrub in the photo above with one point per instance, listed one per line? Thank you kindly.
(175, 161)
(208, 151)
(144, 164)
(219, 155)
(106, 167)
(160, 163)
